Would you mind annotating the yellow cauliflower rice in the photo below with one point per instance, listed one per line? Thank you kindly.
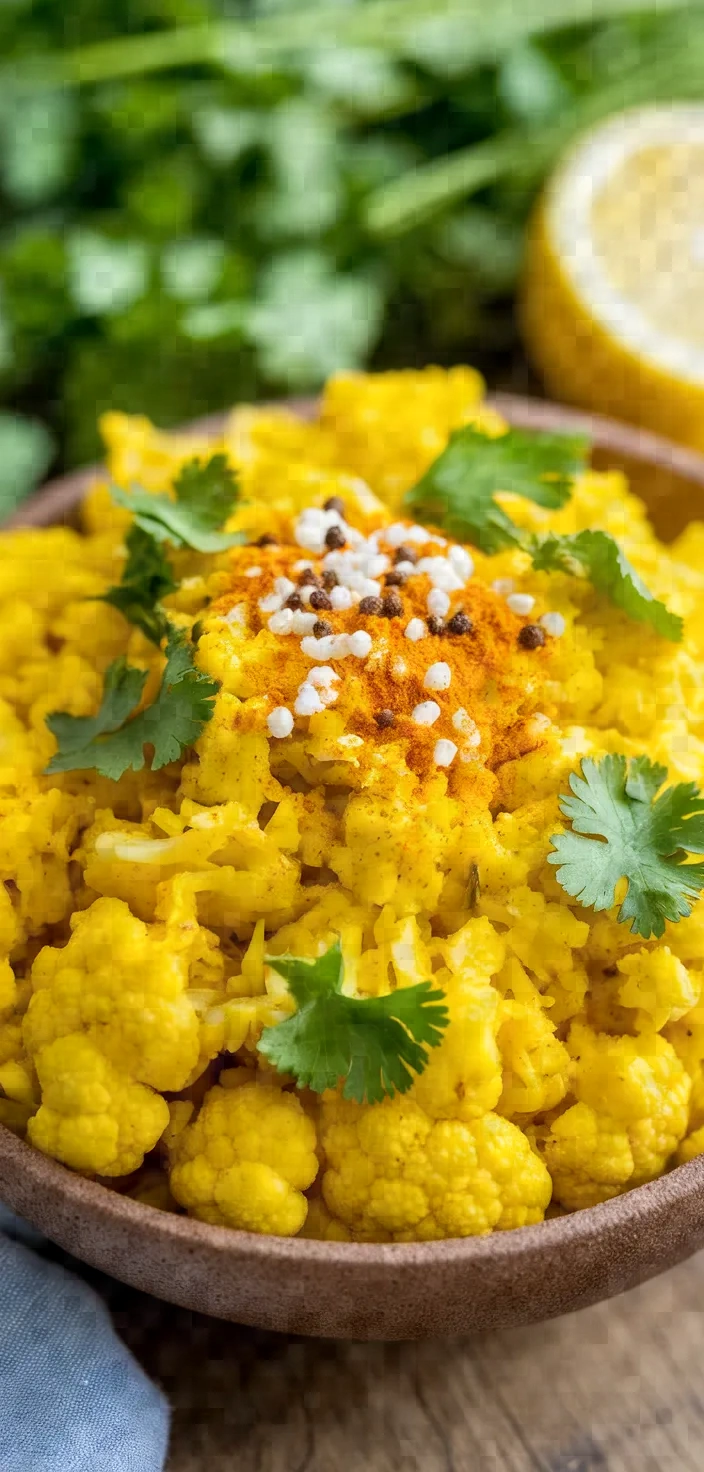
(378, 728)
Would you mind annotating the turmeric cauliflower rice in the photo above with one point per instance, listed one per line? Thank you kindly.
(349, 795)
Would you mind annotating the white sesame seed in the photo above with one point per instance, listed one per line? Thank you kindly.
(553, 623)
(520, 603)
(360, 643)
(303, 566)
(359, 583)
(331, 646)
(438, 603)
(444, 753)
(503, 586)
(270, 604)
(354, 538)
(303, 623)
(340, 646)
(341, 598)
(438, 677)
(280, 722)
(441, 573)
(461, 561)
(308, 702)
(284, 587)
(323, 676)
(406, 567)
(310, 528)
(416, 630)
(375, 565)
(253, 572)
(328, 694)
(282, 622)
(421, 534)
(426, 713)
(236, 617)
(395, 535)
(370, 589)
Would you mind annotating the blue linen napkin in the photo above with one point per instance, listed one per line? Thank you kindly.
(72, 1398)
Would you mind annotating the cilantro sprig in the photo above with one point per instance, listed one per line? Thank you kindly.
(458, 492)
(146, 579)
(596, 556)
(113, 740)
(205, 494)
(622, 829)
(375, 1044)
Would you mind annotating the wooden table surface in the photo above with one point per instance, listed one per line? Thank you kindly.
(618, 1387)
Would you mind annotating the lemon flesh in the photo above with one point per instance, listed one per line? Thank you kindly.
(613, 295)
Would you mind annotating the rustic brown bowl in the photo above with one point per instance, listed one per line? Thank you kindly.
(394, 1291)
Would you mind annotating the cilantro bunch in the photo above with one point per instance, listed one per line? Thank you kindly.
(458, 493)
(113, 741)
(211, 202)
(374, 1045)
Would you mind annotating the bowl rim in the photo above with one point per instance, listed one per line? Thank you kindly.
(79, 1192)
(608, 1218)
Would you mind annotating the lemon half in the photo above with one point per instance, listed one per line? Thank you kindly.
(612, 304)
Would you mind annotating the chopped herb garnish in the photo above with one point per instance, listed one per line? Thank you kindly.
(622, 830)
(146, 579)
(374, 1045)
(206, 492)
(111, 743)
(596, 556)
(457, 491)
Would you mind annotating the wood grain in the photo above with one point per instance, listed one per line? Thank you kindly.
(616, 1388)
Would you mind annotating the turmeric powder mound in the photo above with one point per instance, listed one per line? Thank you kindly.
(455, 688)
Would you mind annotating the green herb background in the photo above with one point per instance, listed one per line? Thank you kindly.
(202, 201)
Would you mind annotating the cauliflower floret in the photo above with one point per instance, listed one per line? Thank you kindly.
(692, 1146)
(37, 833)
(122, 984)
(536, 1065)
(246, 1160)
(8, 987)
(658, 986)
(393, 1172)
(462, 1078)
(543, 936)
(589, 1157)
(320, 1226)
(91, 1117)
(407, 844)
(631, 1114)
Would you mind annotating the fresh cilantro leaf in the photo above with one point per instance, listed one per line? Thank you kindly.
(374, 1044)
(111, 743)
(457, 491)
(80, 737)
(206, 492)
(621, 829)
(146, 579)
(595, 555)
(182, 708)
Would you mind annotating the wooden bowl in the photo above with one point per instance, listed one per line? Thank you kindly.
(389, 1291)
